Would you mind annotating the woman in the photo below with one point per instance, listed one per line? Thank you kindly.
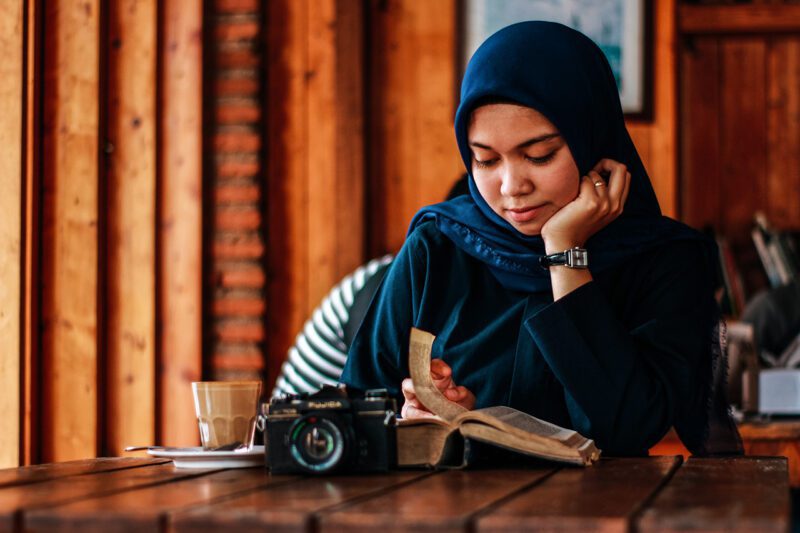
(621, 348)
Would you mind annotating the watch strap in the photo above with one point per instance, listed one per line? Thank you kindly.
(573, 258)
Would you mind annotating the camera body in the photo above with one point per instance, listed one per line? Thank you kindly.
(331, 431)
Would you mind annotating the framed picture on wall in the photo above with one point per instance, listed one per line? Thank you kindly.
(621, 28)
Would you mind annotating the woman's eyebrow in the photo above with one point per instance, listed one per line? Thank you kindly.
(524, 144)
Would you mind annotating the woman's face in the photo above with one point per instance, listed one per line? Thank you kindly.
(522, 166)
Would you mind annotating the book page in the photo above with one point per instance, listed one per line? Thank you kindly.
(501, 416)
(419, 363)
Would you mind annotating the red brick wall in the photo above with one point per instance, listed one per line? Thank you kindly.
(235, 225)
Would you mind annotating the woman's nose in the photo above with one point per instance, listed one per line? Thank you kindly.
(515, 181)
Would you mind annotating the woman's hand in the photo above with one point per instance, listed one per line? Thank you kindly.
(597, 204)
(442, 376)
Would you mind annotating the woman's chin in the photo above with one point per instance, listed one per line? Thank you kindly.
(531, 228)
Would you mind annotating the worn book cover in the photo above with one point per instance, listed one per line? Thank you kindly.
(444, 439)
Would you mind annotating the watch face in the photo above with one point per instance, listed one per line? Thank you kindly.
(579, 258)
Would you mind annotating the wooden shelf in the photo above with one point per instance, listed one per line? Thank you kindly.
(764, 18)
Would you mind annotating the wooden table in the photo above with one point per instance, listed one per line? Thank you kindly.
(642, 494)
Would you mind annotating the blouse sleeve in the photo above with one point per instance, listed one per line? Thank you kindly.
(625, 386)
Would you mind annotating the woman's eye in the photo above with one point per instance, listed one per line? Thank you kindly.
(541, 160)
(486, 163)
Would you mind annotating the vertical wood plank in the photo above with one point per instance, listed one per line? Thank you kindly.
(743, 136)
(664, 128)
(321, 100)
(131, 175)
(69, 256)
(11, 165)
(413, 159)
(335, 140)
(350, 187)
(656, 140)
(180, 220)
(700, 118)
(316, 166)
(31, 384)
(286, 180)
(783, 132)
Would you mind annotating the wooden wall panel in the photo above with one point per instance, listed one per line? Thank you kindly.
(783, 132)
(69, 255)
(335, 170)
(31, 394)
(130, 214)
(287, 186)
(180, 220)
(315, 163)
(11, 183)
(412, 155)
(656, 140)
(700, 119)
(742, 130)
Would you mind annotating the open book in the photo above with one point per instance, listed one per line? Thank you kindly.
(444, 440)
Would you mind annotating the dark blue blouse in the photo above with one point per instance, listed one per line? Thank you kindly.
(618, 359)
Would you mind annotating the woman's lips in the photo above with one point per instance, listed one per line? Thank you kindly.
(523, 214)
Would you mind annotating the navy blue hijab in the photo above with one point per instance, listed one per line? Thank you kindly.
(563, 75)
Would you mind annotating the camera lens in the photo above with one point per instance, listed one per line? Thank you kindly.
(317, 444)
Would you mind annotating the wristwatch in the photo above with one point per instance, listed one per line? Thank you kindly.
(573, 258)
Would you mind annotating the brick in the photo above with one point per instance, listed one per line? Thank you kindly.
(237, 218)
(236, 87)
(251, 360)
(237, 142)
(237, 112)
(237, 6)
(243, 193)
(244, 248)
(236, 30)
(236, 58)
(239, 331)
(232, 169)
(252, 278)
(248, 307)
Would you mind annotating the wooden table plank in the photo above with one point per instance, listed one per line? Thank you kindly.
(602, 497)
(291, 508)
(725, 494)
(146, 509)
(15, 501)
(44, 472)
(446, 501)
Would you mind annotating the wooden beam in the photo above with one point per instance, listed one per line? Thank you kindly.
(756, 18)
(131, 177)
(412, 155)
(69, 254)
(12, 49)
(287, 181)
(335, 174)
(31, 275)
(180, 220)
(316, 168)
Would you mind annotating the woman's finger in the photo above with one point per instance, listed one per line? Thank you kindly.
(628, 178)
(407, 386)
(455, 394)
(442, 375)
(616, 188)
(598, 183)
(410, 411)
(467, 398)
(440, 369)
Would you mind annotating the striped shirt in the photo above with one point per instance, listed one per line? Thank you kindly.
(320, 349)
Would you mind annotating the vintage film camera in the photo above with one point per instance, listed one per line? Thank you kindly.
(331, 431)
